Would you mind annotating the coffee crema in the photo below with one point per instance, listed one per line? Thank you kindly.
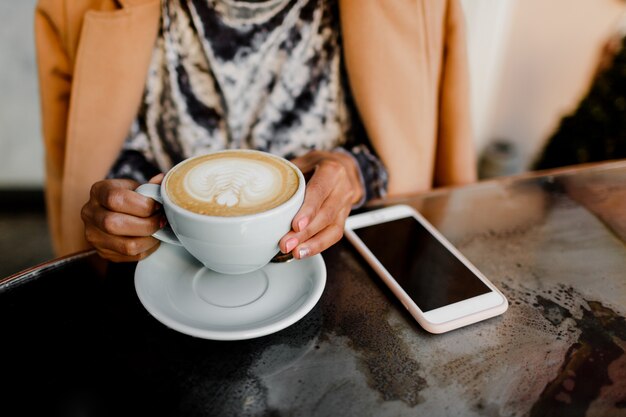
(232, 183)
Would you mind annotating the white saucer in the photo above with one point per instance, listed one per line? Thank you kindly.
(179, 292)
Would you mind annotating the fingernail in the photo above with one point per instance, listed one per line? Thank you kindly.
(303, 223)
(163, 222)
(291, 243)
(303, 252)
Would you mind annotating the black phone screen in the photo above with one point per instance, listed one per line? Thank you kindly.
(427, 271)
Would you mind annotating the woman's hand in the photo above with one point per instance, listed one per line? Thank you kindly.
(119, 222)
(333, 188)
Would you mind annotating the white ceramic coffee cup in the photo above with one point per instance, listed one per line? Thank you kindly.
(229, 245)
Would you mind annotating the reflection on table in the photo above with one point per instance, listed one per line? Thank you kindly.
(80, 343)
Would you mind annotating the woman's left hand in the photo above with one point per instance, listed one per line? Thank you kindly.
(332, 190)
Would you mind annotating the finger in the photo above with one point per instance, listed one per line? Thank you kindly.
(321, 185)
(120, 246)
(113, 223)
(118, 196)
(121, 224)
(334, 211)
(323, 200)
(116, 257)
(316, 193)
(320, 242)
(157, 179)
(328, 215)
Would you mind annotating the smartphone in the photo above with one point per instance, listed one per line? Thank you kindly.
(439, 287)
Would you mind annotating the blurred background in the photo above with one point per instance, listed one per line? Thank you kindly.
(531, 63)
(21, 150)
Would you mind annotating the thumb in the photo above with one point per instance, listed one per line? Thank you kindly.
(157, 179)
(307, 162)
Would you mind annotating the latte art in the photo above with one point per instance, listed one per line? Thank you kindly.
(232, 183)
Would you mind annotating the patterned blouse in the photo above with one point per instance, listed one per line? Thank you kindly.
(264, 74)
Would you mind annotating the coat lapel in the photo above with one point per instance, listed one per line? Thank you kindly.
(109, 76)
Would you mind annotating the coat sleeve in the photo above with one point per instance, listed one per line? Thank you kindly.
(405, 61)
(456, 149)
(54, 77)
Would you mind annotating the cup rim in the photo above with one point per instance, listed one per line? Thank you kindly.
(284, 206)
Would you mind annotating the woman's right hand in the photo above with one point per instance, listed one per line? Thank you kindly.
(119, 222)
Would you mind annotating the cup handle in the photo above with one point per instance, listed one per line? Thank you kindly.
(165, 234)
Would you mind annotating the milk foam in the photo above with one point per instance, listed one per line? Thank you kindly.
(234, 182)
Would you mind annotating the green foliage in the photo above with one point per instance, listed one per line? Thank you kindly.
(596, 131)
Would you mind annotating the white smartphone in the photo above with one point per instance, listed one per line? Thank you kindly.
(439, 287)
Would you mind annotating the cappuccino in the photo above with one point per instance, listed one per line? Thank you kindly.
(232, 183)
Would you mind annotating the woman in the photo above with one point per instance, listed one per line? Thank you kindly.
(130, 87)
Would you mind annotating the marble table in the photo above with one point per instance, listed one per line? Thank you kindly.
(76, 341)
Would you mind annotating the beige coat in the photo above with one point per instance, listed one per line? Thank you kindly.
(406, 62)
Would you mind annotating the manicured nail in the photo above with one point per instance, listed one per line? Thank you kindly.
(303, 223)
(291, 243)
(303, 252)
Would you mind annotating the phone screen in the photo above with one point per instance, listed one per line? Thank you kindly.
(427, 271)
